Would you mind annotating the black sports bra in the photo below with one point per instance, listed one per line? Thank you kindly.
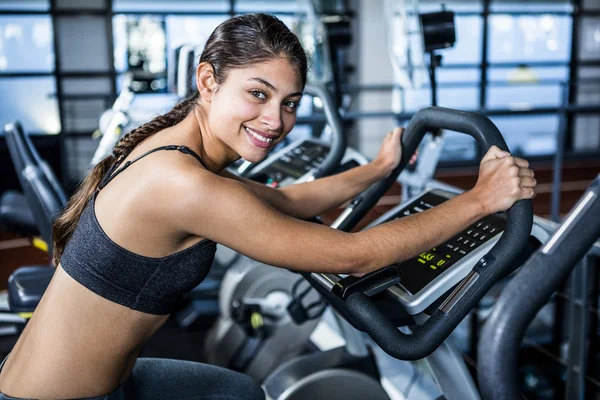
(147, 284)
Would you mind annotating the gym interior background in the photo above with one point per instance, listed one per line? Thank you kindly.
(532, 67)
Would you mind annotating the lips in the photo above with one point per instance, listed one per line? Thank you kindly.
(259, 138)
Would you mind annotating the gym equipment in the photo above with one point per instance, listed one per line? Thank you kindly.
(392, 297)
(523, 297)
(117, 118)
(45, 199)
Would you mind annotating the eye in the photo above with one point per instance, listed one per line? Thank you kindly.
(291, 104)
(259, 94)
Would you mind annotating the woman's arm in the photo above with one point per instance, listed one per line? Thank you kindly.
(229, 213)
(310, 199)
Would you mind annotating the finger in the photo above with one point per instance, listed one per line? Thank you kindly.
(526, 172)
(528, 182)
(398, 130)
(527, 193)
(521, 162)
(493, 153)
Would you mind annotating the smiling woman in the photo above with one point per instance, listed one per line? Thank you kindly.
(142, 228)
(109, 273)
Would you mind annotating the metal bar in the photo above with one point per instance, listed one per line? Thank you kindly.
(578, 331)
(573, 69)
(594, 343)
(59, 95)
(25, 74)
(483, 77)
(111, 48)
(196, 13)
(558, 157)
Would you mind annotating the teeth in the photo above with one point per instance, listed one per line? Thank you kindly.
(256, 135)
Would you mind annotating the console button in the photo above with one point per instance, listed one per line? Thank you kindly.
(482, 237)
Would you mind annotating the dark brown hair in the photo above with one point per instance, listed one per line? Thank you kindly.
(238, 42)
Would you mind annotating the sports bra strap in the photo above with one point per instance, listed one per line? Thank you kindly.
(110, 176)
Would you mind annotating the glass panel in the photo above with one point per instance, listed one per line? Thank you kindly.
(464, 98)
(268, 6)
(591, 5)
(460, 98)
(458, 147)
(589, 39)
(171, 6)
(79, 152)
(444, 75)
(75, 54)
(75, 86)
(456, 6)
(191, 31)
(525, 73)
(32, 101)
(33, 33)
(529, 135)
(588, 87)
(523, 97)
(467, 48)
(25, 5)
(78, 4)
(83, 115)
(587, 133)
(140, 46)
(529, 38)
(545, 6)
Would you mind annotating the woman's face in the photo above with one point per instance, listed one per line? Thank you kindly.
(255, 107)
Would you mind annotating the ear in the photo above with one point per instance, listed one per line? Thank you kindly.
(205, 81)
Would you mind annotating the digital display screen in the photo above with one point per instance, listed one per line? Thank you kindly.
(419, 271)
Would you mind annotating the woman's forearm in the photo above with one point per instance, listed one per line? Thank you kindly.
(407, 237)
(310, 199)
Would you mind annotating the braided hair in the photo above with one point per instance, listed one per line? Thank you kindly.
(238, 42)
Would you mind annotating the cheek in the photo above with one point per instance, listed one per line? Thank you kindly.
(289, 120)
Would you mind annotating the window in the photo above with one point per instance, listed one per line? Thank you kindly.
(531, 6)
(529, 38)
(32, 101)
(24, 5)
(529, 135)
(525, 87)
(171, 6)
(468, 46)
(589, 45)
(33, 33)
(268, 6)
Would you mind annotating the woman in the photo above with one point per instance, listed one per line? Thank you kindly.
(120, 270)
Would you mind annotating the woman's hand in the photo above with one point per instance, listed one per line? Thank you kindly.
(390, 153)
(503, 180)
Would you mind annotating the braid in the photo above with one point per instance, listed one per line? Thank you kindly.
(137, 135)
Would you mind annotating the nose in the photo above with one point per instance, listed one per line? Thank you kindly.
(271, 117)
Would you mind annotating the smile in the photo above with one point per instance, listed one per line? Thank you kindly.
(259, 137)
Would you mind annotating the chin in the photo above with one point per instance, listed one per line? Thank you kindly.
(254, 157)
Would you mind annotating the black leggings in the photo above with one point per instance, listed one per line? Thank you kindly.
(159, 378)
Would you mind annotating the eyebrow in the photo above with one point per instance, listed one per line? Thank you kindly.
(273, 88)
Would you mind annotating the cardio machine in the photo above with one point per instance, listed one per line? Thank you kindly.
(530, 289)
(428, 295)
